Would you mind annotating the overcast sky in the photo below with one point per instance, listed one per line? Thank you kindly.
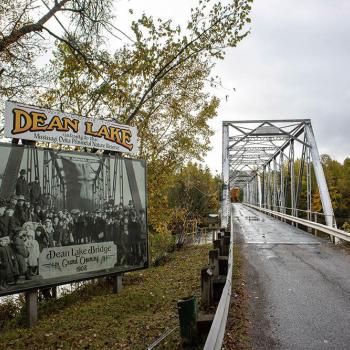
(295, 63)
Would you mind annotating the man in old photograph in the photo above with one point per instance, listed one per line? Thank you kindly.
(67, 208)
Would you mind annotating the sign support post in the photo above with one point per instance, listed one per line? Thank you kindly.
(31, 299)
(117, 281)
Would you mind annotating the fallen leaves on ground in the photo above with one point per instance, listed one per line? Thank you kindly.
(133, 319)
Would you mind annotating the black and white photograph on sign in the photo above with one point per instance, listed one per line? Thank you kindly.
(67, 216)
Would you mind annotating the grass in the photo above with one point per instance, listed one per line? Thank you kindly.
(94, 318)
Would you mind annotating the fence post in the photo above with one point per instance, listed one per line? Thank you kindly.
(214, 261)
(224, 245)
(217, 245)
(206, 287)
(188, 315)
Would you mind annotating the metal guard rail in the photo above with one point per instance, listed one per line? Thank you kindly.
(319, 227)
(217, 329)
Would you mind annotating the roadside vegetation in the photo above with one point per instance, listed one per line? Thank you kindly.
(338, 180)
(93, 318)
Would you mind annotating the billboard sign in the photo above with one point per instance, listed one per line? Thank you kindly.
(45, 125)
(68, 216)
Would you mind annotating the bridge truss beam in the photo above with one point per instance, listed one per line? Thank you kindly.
(274, 163)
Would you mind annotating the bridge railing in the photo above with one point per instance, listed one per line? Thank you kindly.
(332, 231)
(217, 331)
(314, 215)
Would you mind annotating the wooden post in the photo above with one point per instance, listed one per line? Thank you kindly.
(217, 245)
(206, 287)
(117, 283)
(214, 261)
(224, 246)
(223, 265)
(54, 292)
(31, 299)
(227, 241)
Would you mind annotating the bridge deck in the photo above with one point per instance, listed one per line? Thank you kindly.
(299, 285)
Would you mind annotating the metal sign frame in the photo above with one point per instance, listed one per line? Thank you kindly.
(52, 282)
(39, 124)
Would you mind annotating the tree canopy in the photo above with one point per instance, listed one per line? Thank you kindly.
(28, 27)
(156, 78)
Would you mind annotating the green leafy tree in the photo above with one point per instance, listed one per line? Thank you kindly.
(195, 191)
(143, 77)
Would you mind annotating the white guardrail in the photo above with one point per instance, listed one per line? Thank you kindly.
(217, 330)
(314, 225)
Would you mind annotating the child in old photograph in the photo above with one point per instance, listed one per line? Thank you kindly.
(37, 215)
(32, 246)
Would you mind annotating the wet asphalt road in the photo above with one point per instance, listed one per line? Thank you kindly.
(299, 285)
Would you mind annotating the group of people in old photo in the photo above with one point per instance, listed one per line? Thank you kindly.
(29, 223)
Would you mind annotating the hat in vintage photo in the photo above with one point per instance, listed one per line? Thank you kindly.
(23, 172)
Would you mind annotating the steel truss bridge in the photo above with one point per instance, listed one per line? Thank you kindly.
(277, 166)
(111, 175)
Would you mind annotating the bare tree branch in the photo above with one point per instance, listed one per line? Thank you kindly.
(17, 34)
(167, 67)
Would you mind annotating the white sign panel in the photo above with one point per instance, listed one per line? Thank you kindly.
(70, 260)
(45, 125)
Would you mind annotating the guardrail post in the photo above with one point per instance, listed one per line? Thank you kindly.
(222, 291)
(214, 261)
(223, 265)
(223, 247)
(188, 315)
(217, 245)
(206, 287)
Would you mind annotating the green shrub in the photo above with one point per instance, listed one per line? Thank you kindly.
(160, 243)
